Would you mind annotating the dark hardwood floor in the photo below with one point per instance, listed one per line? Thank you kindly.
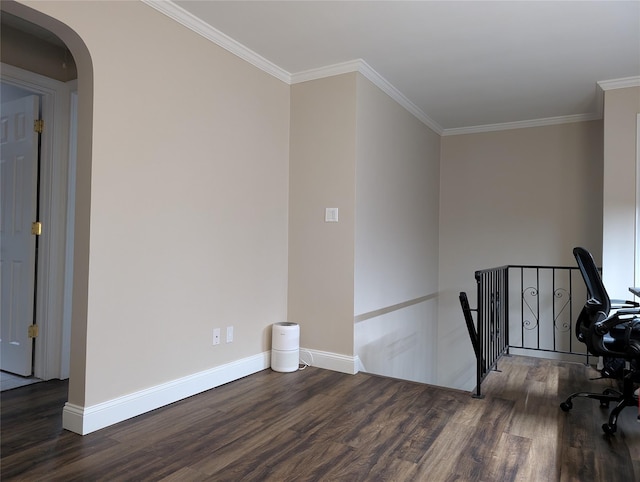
(321, 425)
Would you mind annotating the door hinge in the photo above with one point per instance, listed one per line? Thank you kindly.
(38, 126)
(36, 228)
(33, 331)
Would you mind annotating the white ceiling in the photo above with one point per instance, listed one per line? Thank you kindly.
(455, 64)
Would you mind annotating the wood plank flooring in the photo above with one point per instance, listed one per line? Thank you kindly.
(321, 425)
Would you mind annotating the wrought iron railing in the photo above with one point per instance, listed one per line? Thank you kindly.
(524, 309)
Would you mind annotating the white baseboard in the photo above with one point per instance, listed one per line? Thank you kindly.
(84, 420)
(330, 361)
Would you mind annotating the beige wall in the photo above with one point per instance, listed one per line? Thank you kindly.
(322, 175)
(621, 107)
(522, 196)
(396, 238)
(185, 190)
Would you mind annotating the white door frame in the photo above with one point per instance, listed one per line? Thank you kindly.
(52, 259)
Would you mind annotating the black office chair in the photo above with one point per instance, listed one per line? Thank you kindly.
(608, 334)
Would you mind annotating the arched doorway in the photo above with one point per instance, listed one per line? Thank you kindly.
(80, 253)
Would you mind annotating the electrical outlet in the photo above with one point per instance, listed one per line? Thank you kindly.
(229, 334)
(216, 336)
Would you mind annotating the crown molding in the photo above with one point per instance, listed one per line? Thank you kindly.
(202, 28)
(619, 83)
(399, 97)
(180, 15)
(367, 71)
(193, 23)
(547, 121)
(327, 71)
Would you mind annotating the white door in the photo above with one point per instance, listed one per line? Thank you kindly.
(18, 181)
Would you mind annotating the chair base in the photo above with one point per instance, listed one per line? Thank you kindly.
(626, 398)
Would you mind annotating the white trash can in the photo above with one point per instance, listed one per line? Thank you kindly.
(285, 347)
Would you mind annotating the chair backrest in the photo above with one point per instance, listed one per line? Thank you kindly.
(598, 303)
(591, 276)
(596, 309)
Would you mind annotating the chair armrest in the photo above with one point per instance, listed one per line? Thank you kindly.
(617, 304)
(604, 326)
(628, 311)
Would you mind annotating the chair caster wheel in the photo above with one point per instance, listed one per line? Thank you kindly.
(566, 406)
(604, 404)
(608, 429)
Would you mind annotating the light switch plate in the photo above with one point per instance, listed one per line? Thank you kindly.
(331, 215)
